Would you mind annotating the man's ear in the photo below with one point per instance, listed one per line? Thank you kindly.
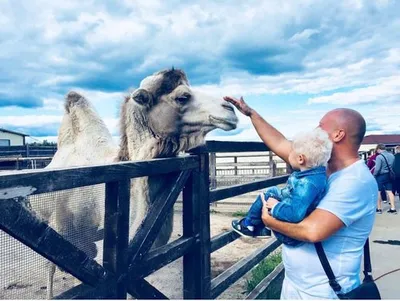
(338, 135)
(143, 97)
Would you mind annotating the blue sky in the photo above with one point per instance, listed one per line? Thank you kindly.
(292, 61)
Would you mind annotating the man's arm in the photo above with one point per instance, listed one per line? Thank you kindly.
(378, 165)
(318, 226)
(272, 138)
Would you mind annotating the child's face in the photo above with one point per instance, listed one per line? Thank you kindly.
(297, 161)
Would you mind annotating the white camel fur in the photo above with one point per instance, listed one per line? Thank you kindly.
(160, 119)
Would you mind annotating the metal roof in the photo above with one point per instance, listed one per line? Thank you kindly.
(12, 132)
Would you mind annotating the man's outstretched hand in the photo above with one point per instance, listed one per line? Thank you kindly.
(240, 105)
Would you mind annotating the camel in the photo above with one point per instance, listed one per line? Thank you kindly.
(162, 118)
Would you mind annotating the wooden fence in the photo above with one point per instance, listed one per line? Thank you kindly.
(228, 169)
(27, 151)
(126, 264)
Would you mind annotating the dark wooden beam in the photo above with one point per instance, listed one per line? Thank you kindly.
(230, 147)
(266, 282)
(221, 240)
(152, 223)
(84, 291)
(225, 193)
(160, 257)
(141, 289)
(43, 181)
(21, 223)
(196, 223)
(231, 275)
(116, 231)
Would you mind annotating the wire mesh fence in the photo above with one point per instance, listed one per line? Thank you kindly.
(24, 273)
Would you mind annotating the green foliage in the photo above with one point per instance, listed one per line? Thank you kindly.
(43, 143)
(239, 213)
(262, 270)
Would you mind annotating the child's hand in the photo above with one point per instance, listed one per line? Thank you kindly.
(271, 203)
(265, 215)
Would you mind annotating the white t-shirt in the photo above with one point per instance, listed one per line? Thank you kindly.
(351, 196)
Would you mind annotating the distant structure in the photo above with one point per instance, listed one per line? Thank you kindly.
(11, 138)
(369, 142)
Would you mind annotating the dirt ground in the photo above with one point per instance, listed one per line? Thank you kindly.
(23, 272)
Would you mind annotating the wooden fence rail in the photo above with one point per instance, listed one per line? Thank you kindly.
(27, 151)
(125, 264)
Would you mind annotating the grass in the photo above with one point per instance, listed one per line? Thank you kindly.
(261, 271)
(239, 213)
(213, 211)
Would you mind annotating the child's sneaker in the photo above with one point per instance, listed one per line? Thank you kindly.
(250, 231)
(262, 232)
(239, 227)
(393, 211)
(379, 211)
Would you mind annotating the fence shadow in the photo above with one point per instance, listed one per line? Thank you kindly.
(388, 242)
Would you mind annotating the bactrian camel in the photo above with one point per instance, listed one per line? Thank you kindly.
(161, 118)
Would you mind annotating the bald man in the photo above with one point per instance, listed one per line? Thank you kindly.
(342, 221)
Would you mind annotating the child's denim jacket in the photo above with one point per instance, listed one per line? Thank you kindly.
(300, 196)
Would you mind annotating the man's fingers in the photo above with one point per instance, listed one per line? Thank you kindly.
(231, 100)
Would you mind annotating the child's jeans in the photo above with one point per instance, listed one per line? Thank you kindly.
(253, 216)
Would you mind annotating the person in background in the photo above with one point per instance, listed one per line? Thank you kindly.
(383, 164)
(396, 169)
(371, 166)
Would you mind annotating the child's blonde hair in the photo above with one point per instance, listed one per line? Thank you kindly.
(315, 145)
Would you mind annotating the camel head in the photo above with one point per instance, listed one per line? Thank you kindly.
(173, 113)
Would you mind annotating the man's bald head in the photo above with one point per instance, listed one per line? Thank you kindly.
(347, 120)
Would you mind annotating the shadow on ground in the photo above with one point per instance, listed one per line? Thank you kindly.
(388, 242)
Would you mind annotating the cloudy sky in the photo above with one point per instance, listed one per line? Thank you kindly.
(291, 60)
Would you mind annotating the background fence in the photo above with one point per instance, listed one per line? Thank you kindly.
(25, 157)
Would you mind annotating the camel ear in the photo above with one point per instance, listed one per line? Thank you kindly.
(143, 97)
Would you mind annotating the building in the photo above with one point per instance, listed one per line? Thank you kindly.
(369, 143)
(11, 138)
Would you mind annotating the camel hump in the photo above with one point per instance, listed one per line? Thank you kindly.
(74, 99)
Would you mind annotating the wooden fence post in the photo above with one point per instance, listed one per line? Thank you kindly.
(213, 171)
(196, 223)
(116, 231)
(274, 169)
(289, 169)
(272, 165)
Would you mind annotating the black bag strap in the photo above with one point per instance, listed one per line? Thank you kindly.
(327, 267)
(328, 270)
(367, 263)
(389, 167)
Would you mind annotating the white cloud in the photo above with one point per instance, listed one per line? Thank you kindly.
(303, 35)
(386, 90)
(274, 47)
(30, 120)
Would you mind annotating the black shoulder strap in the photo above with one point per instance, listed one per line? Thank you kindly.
(387, 164)
(367, 262)
(328, 270)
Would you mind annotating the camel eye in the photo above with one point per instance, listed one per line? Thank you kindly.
(183, 98)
